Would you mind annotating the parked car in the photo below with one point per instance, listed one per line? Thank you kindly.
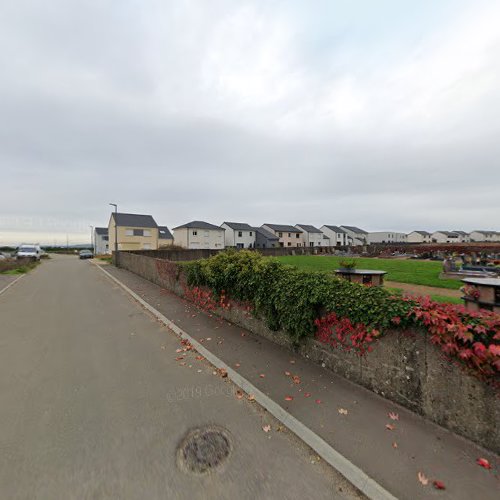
(86, 254)
(33, 252)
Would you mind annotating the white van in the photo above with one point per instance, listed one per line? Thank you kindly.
(29, 251)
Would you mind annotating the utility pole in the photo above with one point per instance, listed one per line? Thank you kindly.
(116, 233)
(92, 239)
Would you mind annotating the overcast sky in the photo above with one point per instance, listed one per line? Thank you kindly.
(384, 114)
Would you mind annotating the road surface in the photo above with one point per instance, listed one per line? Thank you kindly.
(93, 404)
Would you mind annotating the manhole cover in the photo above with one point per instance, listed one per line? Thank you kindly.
(203, 450)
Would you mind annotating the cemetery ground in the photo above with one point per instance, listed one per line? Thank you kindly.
(411, 276)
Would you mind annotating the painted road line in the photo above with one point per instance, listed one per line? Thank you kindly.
(344, 466)
(10, 284)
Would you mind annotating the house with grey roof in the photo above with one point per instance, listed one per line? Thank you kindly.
(165, 237)
(386, 237)
(289, 236)
(480, 235)
(337, 237)
(199, 235)
(357, 235)
(445, 237)
(101, 241)
(418, 237)
(134, 231)
(238, 235)
(265, 239)
(311, 236)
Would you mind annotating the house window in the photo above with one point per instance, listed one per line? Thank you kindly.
(129, 232)
(311, 244)
(251, 234)
(240, 234)
(289, 244)
(195, 233)
(138, 232)
(297, 235)
(280, 235)
(289, 235)
(147, 232)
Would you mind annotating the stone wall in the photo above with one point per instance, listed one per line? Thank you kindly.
(404, 367)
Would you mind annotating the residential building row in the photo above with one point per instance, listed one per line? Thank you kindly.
(141, 232)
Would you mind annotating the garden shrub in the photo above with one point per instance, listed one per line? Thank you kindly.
(341, 313)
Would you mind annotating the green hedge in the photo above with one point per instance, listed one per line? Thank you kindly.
(291, 299)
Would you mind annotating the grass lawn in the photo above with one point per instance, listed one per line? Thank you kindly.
(417, 272)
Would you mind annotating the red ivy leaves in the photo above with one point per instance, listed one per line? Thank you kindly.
(469, 337)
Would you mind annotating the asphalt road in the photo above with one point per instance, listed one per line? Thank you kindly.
(93, 404)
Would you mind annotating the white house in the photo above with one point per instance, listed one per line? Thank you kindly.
(480, 235)
(463, 237)
(199, 234)
(358, 236)
(101, 243)
(419, 237)
(337, 237)
(445, 237)
(311, 236)
(386, 237)
(239, 235)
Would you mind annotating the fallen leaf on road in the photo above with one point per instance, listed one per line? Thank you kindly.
(318, 401)
(222, 372)
(237, 365)
(178, 350)
(251, 397)
(288, 398)
(178, 358)
(287, 374)
(200, 358)
(342, 411)
(307, 394)
(394, 445)
(439, 485)
(390, 427)
(423, 480)
(243, 334)
(162, 347)
(266, 428)
(296, 379)
(393, 416)
(239, 395)
(209, 338)
(483, 463)
(292, 361)
(262, 375)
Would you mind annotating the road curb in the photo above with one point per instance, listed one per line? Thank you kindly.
(11, 283)
(351, 472)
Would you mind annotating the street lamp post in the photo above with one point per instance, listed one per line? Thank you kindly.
(92, 239)
(116, 233)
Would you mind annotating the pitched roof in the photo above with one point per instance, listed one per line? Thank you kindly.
(335, 229)
(355, 229)
(164, 233)
(267, 234)
(308, 229)
(134, 220)
(283, 228)
(447, 233)
(239, 226)
(487, 233)
(103, 231)
(423, 233)
(199, 224)
(463, 233)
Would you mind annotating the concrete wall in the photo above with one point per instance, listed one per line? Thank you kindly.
(404, 367)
